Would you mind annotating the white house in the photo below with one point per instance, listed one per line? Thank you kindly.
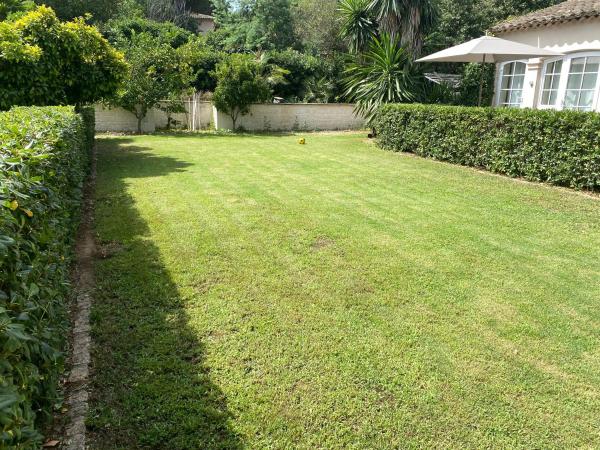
(571, 81)
(204, 22)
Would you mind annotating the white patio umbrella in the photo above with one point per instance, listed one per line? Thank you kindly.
(488, 49)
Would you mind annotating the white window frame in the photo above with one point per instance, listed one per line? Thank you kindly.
(564, 77)
(559, 98)
(499, 84)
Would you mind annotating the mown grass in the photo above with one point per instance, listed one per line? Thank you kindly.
(255, 293)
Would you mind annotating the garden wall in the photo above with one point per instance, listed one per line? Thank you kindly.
(121, 120)
(294, 116)
(264, 117)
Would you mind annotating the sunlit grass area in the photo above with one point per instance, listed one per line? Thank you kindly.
(256, 293)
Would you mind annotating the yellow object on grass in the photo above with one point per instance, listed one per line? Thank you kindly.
(301, 141)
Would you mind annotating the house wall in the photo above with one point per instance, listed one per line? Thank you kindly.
(294, 116)
(569, 37)
(206, 25)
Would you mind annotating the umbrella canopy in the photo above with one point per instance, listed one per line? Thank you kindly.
(488, 49)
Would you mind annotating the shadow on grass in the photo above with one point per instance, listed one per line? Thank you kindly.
(150, 386)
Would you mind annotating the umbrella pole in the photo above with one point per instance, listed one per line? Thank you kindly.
(481, 81)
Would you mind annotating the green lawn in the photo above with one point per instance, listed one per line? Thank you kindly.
(256, 293)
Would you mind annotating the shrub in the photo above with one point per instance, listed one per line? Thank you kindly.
(559, 147)
(239, 84)
(47, 62)
(43, 162)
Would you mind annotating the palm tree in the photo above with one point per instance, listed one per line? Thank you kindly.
(358, 25)
(385, 75)
(409, 18)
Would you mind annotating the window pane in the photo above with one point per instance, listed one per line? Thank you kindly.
(589, 81)
(505, 82)
(592, 64)
(570, 99)
(548, 82)
(558, 66)
(577, 65)
(509, 68)
(504, 96)
(585, 99)
(520, 68)
(545, 97)
(574, 81)
(518, 81)
(515, 97)
(553, 96)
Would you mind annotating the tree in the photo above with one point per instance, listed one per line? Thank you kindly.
(8, 7)
(239, 84)
(359, 26)
(317, 26)
(461, 20)
(120, 31)
(255, 25)
(385, 75)
(49, 62)
(100, 10)
(411, 19)
(157, 73)
(202, 61)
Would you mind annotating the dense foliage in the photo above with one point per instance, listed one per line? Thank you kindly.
(120, 31)
(239, 84)
(303, 74)
(43, 161)
(48, 62)
(255, 25)
(559, 147)
(99, 10)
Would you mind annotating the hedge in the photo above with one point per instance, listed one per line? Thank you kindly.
(43, 163)
(558, 147)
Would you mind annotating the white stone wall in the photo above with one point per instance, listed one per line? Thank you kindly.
(294, 116)
(263, 117)
(120, 120)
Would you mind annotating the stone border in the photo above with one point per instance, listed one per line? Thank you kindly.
(77, 394)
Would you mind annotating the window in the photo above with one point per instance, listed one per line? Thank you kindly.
(511, 84)
(551, 83)
(582, 83)
(572, 82)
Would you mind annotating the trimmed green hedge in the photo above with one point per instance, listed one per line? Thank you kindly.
(43, 163)
(558, 147)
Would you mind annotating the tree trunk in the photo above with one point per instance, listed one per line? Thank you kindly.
(234, 117)
(412, 37)
(139, 125)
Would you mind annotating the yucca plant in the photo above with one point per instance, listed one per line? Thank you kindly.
(358, 24)
(385, 74)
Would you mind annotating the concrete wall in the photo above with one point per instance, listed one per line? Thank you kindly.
(120, 120)
(568, 38)
(294, 116)
(264, 117)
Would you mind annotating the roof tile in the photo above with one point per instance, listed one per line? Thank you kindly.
(563, 12)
